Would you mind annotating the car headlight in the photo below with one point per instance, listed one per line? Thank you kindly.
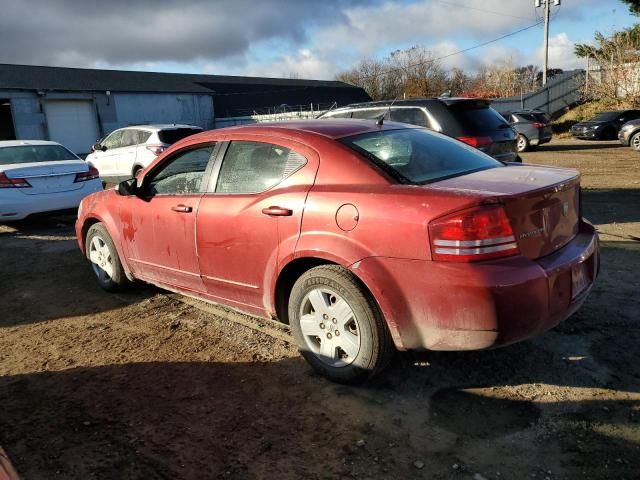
(595, 127)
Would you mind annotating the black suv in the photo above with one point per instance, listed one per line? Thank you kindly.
(470, 120)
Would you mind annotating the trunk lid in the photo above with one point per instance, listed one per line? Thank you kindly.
(47, 177)
(542, 203)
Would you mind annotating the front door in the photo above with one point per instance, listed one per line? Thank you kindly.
(105, 161)
(253, 206)
(159, 225)
(127, 154)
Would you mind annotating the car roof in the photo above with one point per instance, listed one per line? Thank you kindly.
(329, 128)
(159, 126)
(416, 102)
(25, 143)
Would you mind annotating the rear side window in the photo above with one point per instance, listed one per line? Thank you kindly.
(337, 115)
(34, 153)
(414, 116)
(143, 136)
(371, 113)
(417, 155)
(173, 135)
(477, 120)
(253, 167)
(129, 138)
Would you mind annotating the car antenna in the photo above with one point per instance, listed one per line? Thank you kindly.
(380, 119)
(333, 105)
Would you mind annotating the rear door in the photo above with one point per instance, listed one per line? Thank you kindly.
(250, 217)
(127, 153)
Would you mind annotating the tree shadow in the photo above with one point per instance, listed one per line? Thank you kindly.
(612, 205)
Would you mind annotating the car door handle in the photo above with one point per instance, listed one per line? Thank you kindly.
(277, 211)
(182, 209)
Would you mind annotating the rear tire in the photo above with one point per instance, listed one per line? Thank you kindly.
(522, 142)
(634, 143)
(338, 326)
(105, 262)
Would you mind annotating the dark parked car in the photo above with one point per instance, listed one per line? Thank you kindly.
(604, 126)
(469, 120)
(629, 134)
(533, 128)
(364, 238)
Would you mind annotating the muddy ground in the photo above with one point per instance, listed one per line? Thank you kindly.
(143, 386)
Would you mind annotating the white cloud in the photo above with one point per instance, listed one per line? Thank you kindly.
(560, 53)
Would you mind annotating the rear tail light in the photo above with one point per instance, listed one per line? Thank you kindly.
(472, 235)
(537, 125)
(90, 175)
(6, 182)
(477, 142)
(156, 149)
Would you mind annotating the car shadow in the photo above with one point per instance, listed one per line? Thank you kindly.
(583, 145)
(615, 205)
(276, 420)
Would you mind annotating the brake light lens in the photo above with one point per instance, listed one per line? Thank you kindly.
(472, 235)
(477, 142)
(537, 125)
(6, 182)
(156, 149)
(90, 175)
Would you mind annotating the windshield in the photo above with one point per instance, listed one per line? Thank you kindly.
(34, 154)
(417, 155)
(605, 116)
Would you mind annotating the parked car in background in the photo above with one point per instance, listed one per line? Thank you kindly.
(42, 177)
(469, 120)
(604, 126)
(127, 150)
(532, 126)
(629, 134)
(364, 238)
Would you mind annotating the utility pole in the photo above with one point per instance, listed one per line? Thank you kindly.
(547, 5)
(546, 43)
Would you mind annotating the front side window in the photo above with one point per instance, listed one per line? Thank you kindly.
(417, 156)
(114, 140)
(182, 174)
(346, 114)
(253, 167)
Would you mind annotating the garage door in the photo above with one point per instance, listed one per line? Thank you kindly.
(72, 123)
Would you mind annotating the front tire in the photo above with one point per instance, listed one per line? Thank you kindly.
(338, 326)
(105, 262)
(634, 143)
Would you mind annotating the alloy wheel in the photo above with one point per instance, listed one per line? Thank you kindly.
(329, 327)
(101, 258)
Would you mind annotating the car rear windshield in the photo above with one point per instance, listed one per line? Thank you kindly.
(34, 154)
(418, 156)
(534, 117)
(175, 134)
(477, 120)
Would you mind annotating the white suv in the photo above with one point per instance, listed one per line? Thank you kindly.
(125, 151)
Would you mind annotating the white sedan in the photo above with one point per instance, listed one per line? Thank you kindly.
(38, 176)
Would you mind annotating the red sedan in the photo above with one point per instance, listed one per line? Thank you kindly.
(365, 238)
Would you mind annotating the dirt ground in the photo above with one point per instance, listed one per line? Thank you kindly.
(144, 386)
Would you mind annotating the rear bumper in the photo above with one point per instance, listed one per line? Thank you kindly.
(17, 206)
(540, 140)
(458, 306)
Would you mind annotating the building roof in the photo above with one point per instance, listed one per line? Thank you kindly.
(232, 94)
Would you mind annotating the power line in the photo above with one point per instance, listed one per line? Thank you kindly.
(417, 64)
(482, 10)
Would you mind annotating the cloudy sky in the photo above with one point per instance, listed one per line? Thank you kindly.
(305, 38)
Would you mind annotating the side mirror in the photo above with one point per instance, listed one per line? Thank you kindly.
(96, 146)
(128, 188)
